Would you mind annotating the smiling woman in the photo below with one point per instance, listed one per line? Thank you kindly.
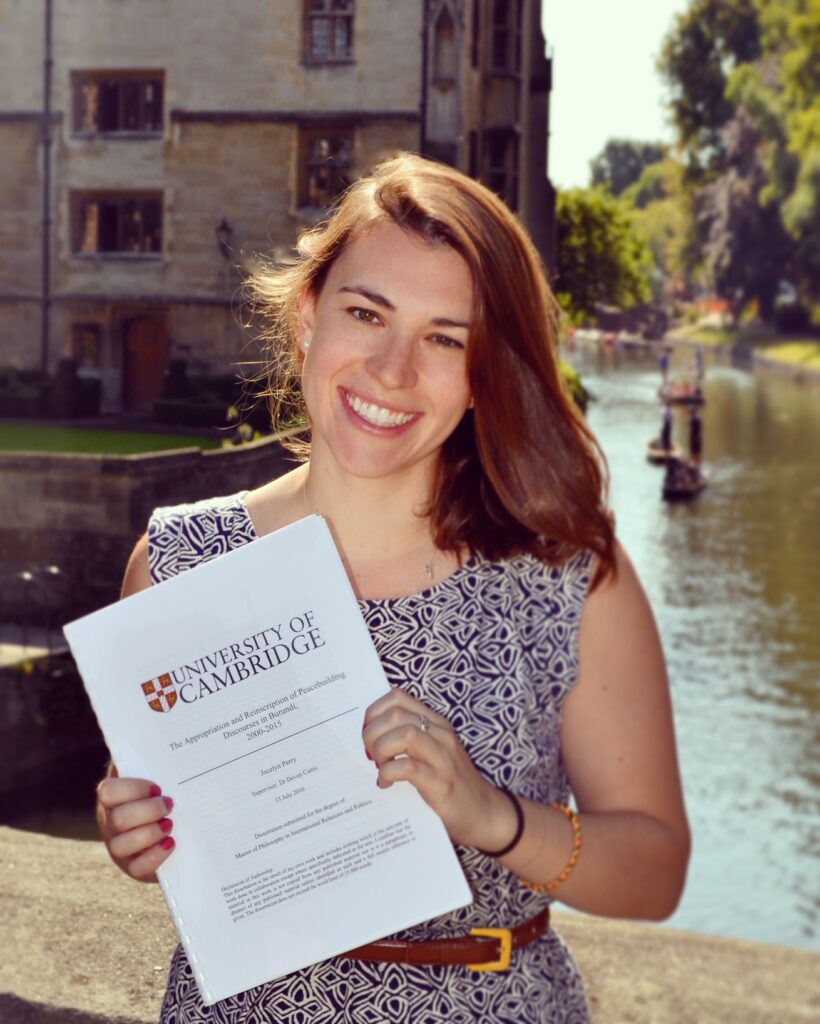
(466, 496)
(383, 384)
(452, 246)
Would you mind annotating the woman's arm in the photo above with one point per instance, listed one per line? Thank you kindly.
(131, 813)
(618, 745)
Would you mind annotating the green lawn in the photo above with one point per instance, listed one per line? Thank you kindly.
(18, 437)
(789, 349)
(796, 353)
(705, 335)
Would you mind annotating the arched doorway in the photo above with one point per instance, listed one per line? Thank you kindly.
(145, 357)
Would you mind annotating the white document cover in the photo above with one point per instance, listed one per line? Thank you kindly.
(240, 687)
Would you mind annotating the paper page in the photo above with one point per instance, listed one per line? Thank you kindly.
(240, 687)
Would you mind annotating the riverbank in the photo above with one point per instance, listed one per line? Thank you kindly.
(86, 945)
(798, 356)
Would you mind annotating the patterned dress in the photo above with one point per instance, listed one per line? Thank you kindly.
(493, 648)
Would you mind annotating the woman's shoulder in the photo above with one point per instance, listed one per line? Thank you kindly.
(181, 536)
(542, 580)
(205, 510)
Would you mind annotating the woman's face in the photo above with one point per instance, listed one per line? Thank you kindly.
(385, 344)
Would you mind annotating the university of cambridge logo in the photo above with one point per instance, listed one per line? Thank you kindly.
(160, 693)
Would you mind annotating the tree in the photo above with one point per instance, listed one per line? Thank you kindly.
(747, 249)
(744, 82)
(622, 161)
(781, 93)
(663, 216)
(707, 42)
(600, 258)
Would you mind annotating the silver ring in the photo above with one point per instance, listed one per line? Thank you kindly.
(424, 723)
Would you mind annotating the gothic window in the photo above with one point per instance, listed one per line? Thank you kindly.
(506, 35)
(472, 154)
(110, 103)
(501, 165)
(475, 41)
(325, 165)
(119, 223)
(445, 57)
(328, 30)
(86, 344)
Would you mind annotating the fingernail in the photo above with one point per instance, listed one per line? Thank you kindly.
(375, 762)
(154, 790)
(165, 824)
(369, 755)
(364, 726)
(169, 803)
(167, 843)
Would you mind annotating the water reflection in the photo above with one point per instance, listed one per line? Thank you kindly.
(733, 580)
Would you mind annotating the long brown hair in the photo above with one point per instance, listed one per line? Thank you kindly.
(521, 472)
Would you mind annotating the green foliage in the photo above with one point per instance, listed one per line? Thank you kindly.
(600, 258)
(747, 247)
(659, 208)
(709, 39)
(781, 93)
(622, 161)
(214, 400)
(657, 181)
(744, 85)
(65, 395)
(663, 217)
(580, 395)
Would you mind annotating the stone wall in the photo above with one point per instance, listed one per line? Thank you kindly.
(84, 513)
(21, 73)
(89, 946)
(20, 238)
(20, 332)
(248, 56)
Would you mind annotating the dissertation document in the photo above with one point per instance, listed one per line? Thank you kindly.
(240, 687)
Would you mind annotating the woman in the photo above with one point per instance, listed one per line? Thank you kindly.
(466, 498)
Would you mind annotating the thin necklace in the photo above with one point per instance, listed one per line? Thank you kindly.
(427, 577)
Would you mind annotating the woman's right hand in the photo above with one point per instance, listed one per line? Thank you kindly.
(133, 819)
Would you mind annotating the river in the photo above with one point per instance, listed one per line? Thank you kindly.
(733, 579)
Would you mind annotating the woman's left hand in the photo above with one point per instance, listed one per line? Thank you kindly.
(433, 760)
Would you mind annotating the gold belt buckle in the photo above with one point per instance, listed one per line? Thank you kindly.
(504, 936)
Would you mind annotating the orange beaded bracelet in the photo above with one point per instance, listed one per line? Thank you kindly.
(577, 839)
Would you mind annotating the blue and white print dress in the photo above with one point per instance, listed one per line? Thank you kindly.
(493, 648)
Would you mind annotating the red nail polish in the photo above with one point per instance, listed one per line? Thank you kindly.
(165, 824)
(369, 755)
(167, 843)
(154, 790)
(169, 803)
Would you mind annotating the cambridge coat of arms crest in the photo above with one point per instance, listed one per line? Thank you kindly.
(160, 693)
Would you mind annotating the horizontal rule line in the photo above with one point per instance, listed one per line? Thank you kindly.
(273, 743)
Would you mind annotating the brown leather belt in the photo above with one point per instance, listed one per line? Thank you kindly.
(485, 949)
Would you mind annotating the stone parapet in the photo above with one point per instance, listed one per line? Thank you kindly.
(84, 513)
(85, 945)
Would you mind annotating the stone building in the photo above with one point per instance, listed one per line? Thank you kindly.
(148, 149)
